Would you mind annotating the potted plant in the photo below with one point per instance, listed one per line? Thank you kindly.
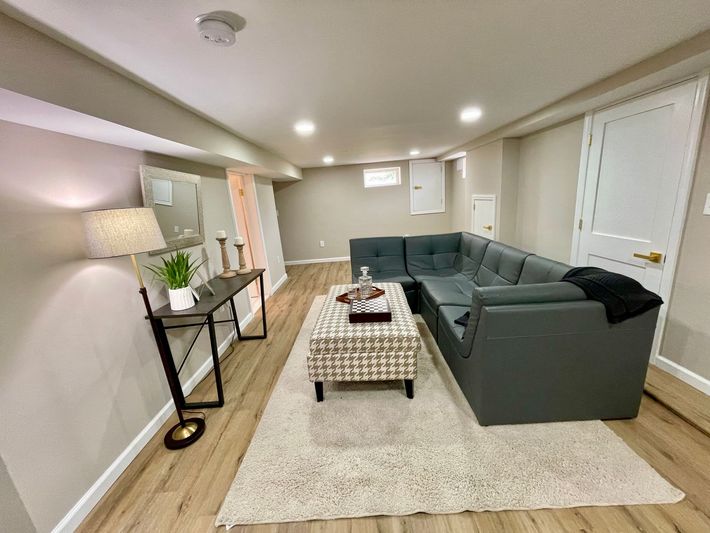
(176, 272)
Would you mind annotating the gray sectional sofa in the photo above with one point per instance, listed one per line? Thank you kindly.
(535, 349)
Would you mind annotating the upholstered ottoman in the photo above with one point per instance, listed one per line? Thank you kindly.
(373, 351)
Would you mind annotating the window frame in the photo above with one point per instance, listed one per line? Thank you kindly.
(365, 171)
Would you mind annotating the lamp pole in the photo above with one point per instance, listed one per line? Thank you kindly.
(186, 431)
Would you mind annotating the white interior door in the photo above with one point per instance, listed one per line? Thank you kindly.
(483, 217)
(635, 162)
(426, 187)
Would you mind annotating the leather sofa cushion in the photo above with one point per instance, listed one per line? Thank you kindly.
(542, 270)
(453, 290)
(408, 284)
(501, 265)
(431, 255)
(471, 250)
(381, 254)
(443, 273)
(447, 315)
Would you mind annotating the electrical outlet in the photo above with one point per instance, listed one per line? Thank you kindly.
(706, 211)
(322, 244)
(176, 229)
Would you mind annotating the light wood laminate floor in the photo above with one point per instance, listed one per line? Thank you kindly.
(179, 491)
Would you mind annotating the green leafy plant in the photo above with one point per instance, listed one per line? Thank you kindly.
(176, 271)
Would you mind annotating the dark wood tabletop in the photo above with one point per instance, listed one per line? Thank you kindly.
(224, 289)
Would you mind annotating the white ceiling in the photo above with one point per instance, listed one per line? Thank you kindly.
(377, 77)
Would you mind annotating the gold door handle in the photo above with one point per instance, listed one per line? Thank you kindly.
(417, 187)
(653, 257)
(488, 227)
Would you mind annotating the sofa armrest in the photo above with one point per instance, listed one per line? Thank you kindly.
(559, 291)
(557, 361)
(534, 293)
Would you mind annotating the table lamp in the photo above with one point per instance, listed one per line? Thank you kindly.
(130, 231)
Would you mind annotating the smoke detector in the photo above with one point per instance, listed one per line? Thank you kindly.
(220, 27)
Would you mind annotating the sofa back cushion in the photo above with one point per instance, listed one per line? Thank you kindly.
(381, 254)
(541, 270)
(501, 265)
(471, 250)
(431, 252)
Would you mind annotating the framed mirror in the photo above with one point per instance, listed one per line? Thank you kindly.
(176, 199)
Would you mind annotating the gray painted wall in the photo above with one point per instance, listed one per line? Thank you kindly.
(270, 227)
(687, 335)
(548, 170)
(331, 204)
(77, 359)
(13, 515)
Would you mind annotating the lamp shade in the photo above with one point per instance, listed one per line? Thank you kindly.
(116, 232)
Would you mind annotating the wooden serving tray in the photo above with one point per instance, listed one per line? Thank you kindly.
(376, 293)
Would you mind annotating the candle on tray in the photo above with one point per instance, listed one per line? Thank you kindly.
(238, 240)
(221, 234)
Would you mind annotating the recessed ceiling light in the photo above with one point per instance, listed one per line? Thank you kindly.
(328, 159)
(471, 114)
(304, 127)
(414, 152)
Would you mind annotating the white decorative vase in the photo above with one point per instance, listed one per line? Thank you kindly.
(181, 298)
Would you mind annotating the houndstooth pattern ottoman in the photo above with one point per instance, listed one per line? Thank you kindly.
(373, 351)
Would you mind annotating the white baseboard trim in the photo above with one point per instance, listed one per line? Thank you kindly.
(682, 373)
(323, 260)
(276, 286)
(92, 496)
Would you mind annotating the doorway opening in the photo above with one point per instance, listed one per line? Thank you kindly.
(246, 209)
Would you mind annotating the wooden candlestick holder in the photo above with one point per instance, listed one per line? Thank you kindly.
(242, 261)
(226, 272)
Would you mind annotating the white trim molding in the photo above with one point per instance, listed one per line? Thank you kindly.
(91, 497)
(322, 260)
(682, 373)
(276, 286)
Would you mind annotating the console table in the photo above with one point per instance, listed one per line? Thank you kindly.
(225, 290)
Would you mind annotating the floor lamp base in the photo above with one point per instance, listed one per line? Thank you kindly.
(182, 435)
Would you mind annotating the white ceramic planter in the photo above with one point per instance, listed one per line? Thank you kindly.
(181, 298)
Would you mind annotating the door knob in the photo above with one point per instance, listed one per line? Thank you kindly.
(417, 187)
(488, 227)
(653, 257)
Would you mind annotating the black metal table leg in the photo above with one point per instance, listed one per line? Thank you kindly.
(166, 357)
(263, 315)
(409, 386)
(319, 390)
(217, 371)
(236, 318)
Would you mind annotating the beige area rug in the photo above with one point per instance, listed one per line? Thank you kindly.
(368, 450)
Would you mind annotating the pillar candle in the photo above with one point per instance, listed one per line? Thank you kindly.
(238, 240)
(221, 234)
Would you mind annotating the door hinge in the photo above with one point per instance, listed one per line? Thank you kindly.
(590, 139)
(241, 192)
(580, 224)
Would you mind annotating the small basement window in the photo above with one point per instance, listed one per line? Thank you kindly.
(382, 177)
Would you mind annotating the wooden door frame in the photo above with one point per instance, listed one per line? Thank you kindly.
(682, 199)
(493, 197)
(268, 285)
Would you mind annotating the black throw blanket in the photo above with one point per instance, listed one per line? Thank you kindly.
(622, 296)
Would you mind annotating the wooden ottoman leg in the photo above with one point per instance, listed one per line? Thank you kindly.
(409, 385)
(319, 390)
